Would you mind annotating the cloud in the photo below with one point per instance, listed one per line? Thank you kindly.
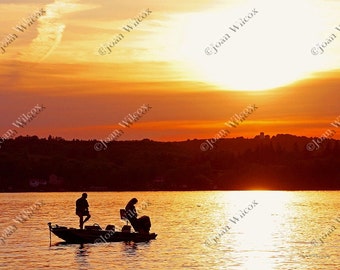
(50, 29)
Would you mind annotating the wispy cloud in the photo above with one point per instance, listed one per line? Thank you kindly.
(50, 29)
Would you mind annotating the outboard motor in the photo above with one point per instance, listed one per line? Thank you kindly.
(144, 224)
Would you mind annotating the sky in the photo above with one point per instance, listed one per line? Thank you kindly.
(196, 63)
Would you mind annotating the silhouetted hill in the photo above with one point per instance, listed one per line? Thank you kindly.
(280, 162)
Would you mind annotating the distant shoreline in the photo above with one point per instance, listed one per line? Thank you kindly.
(281, 162)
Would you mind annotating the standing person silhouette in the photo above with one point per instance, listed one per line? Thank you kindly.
(82, 209)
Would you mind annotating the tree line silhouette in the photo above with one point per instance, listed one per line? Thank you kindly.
(278, 163)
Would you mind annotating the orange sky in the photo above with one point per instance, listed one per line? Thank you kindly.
(162, 62)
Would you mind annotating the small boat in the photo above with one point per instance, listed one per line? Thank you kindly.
(95, 234)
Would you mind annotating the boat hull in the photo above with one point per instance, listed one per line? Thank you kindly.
(78, 236)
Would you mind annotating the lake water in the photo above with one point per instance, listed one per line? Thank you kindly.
(277, 231)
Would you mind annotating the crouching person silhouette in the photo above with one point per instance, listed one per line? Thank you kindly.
(82, 209)
(142, 224)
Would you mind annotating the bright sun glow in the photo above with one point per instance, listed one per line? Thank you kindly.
(259, 55)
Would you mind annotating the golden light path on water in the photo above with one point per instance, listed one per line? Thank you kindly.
(256, 236)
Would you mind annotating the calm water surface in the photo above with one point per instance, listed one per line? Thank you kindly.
(276, 233)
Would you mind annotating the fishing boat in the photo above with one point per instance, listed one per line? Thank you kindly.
(95, 234)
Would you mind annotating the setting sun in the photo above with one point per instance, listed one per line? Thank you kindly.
(251, 50)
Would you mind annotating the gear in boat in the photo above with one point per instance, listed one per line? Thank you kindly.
(95, 234)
